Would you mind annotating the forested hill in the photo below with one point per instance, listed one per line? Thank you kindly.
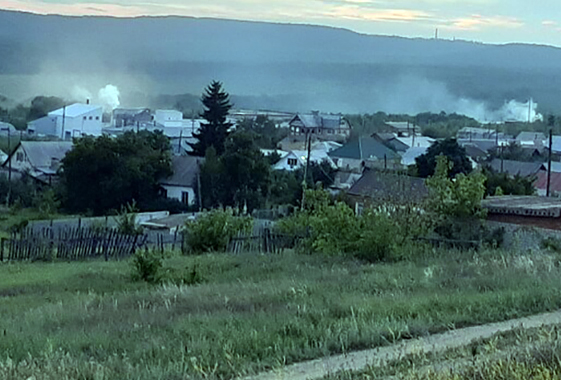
(324, 66)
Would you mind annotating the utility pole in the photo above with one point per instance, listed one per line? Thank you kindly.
(305, 181)
(10, 155)
(549, 163)
(63, 121)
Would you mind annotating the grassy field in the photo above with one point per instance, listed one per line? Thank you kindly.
(249, 313)
(10, 218)
(518, 355)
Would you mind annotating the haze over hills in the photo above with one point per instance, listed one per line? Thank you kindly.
(280, 66)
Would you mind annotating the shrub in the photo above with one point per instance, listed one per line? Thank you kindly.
(126, 220)
(146, 266)
(373, 236)
(212, 231)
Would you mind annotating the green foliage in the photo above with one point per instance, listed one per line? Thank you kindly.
(146, 266)
(238, 178)
(103, 174)
(23, 191)
(552, 244)
(498, 184)
(46, 202)
(456, 203)
(126, 220)
(459, 197)
(213, 133)
(212, 230)
(426, 164)
(265, 132)
(333, 228)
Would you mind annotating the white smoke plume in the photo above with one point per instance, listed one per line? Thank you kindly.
(109, 96)
(81, 94)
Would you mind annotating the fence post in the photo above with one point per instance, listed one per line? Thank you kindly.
(3, 240)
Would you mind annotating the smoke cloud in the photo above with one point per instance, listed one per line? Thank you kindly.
(109, 96)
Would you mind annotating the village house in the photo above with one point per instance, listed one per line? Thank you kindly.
(181, 185)
(321, 126)
(72, 121)
(516, 168)
(378, 187)
(41, 159)
(296, 159)
(365, 152)
(531, 139)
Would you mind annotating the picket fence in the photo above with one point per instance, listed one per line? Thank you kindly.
(70, 244)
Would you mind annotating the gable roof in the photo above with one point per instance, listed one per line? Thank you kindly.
(523, 169)
(41, 153)
(364, 148)
(530, 136)
(402, 126)
(377, 184)
(75, 110)
(555, 182)
(316, 120)
(185, 171)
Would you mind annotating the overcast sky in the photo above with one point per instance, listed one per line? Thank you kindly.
(496, 21)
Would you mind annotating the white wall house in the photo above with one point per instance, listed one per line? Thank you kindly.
(297, 159)
(181, 185)
(76, 120)
(169, 118)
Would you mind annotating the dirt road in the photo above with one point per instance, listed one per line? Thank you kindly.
(356, 361)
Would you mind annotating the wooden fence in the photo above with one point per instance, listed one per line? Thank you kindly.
(263, 242)
(69, 244)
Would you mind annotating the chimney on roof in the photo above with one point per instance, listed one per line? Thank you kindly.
(87, 101)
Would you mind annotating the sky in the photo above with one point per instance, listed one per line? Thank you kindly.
(490, 21)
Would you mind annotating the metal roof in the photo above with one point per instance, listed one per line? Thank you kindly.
(324, 121)
(531, 136)
(364, 148)
(185, 171)
(75, 110)
(377, 184)
(523, 169)
(41, 153)
(532, 206)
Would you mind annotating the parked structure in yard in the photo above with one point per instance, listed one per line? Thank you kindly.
(76, 120)
(41, 159)
(376, 187)
(322, 126)
(182, 184)
(532, 211)
(365, 152)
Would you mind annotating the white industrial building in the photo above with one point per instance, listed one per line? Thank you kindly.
(76, 120)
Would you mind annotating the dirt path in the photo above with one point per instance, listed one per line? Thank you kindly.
(356, 361)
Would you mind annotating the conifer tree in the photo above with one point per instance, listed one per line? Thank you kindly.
(213, 133)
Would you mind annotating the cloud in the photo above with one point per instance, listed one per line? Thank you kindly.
(73, 9)
(549, 23)
(479, 22)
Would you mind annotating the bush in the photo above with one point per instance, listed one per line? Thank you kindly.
(212, 231)
(146, 266)
(375, 235)
(126, 220)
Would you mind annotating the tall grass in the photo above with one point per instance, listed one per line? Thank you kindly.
(249, 313)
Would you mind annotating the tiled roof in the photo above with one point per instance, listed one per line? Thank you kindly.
(377, 184)
(523, 169)
(364, 148)
(185, 171)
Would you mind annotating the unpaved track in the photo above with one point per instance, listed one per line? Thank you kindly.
(356, 361)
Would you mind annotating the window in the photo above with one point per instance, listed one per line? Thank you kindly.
(292, 162)
(19, 157)
(91, 117)
(97, 117)
(164, 193)
(85, 117)
(67, 135)
(185, 197)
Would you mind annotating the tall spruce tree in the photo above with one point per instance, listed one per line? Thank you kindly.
(213, 133)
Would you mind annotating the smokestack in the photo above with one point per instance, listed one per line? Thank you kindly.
(87, 101)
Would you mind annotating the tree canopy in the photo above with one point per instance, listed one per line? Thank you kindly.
(456, 155)
(214, 132)
(103, 174)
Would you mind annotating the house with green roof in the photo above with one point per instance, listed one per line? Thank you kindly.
(363, 152)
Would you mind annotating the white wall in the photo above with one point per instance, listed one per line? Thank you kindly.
(163, 116)
(22, 165)
(176, 192)
(283, 163)
(89, 123)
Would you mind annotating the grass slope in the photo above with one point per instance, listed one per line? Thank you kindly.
(90, 321)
